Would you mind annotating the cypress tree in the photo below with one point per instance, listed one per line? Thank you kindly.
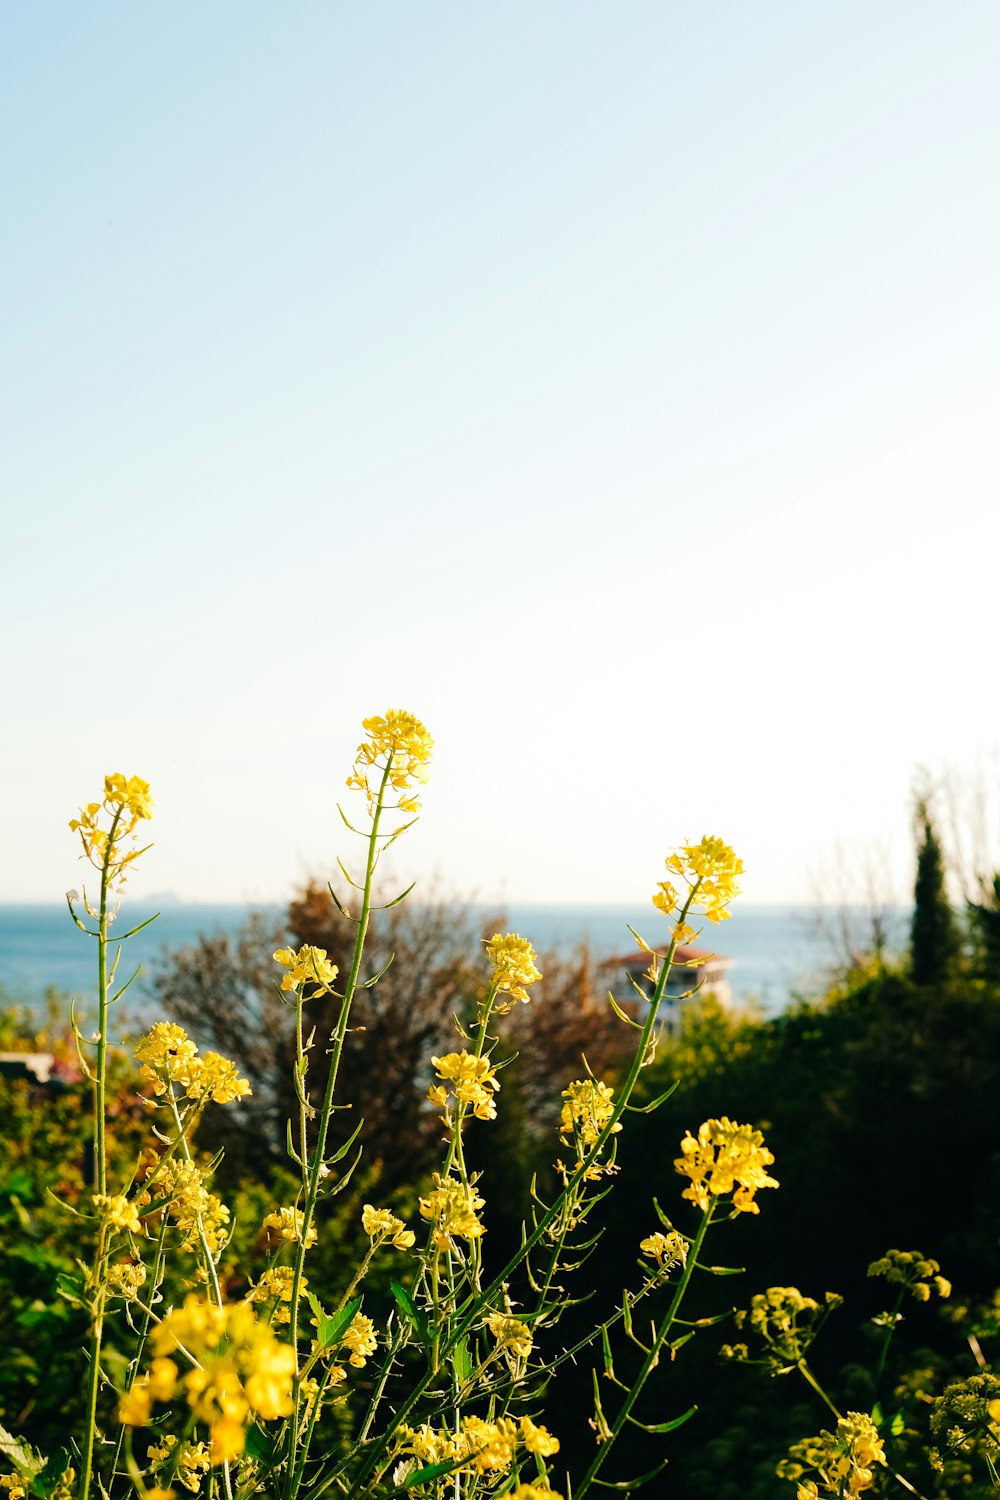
(934, 940)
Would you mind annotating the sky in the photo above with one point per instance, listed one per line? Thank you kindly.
(614, 387)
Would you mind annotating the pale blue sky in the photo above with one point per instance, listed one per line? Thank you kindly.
(614, 386)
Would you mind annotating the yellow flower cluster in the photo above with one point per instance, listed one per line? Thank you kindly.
(452, 1208)
(117, 1212)
(588, 1108)
(126, 801)
(710, 870)
(191, 1206)
(125, 1280)
(514, 968)
(725, 1158)
(308, 968)
(484, 1447)
(192, 1465)
(917, 1273)
(381, 1226)
(360, 1338)
(14, 1486)
(169, 1056)
(843, 1461)
(668, 1250)
(275, 1286)
(786, 1321)
(241, 1368)
(399, 741)
(288, 1223)
(512, 1336)
(473, 1082)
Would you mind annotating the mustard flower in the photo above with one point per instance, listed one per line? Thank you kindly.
(491, 1445)
(167, 1055)
(514, 968)
(192, 1465)
(126, 802)
(275, 1285)
(240, 1369)
(380, 1225)
(400, 742)
(288, 1223)
(538, 1439)
(452, 1208)
(843, 1461)
(512, 1336)
(192, 1207)
(117, 1212)
(125, 1280)
(473, 1082)
(917, 1273)
(361, 1339)
(711, 870)
(668, 1250)
(308, 968)
(15, 1486)
(589, 1105)
(725, 1158)
(787, 1322)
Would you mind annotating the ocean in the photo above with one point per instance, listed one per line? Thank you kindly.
(778, 952)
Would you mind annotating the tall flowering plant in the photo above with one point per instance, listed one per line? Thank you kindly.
(268, 1389)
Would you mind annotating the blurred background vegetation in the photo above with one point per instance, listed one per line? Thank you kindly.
(878, 1098)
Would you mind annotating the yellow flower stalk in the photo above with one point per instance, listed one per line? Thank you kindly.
(514, 967)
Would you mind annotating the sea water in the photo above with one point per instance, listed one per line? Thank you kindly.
(777, 952)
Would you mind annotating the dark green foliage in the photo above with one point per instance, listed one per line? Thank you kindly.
(934, 938)
(984, 932)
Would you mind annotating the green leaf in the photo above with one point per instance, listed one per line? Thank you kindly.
(670, 1426)
(73, 1288)
(26, 1460)
(259, 1445)
(462, 1360)
(331, 1328)
(897, 1424)
(433, 1471)
(46, 1480)
(411, 1312)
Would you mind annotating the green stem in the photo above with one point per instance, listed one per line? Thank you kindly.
(322, 1129)
(808, 1375)
(547, 1219)
(652, 1358)
(887, 1340)
(100, 1165)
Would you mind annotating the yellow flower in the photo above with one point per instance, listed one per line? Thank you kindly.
(711, 871)
(473, 1080)
(192, 1207)
(511, 1334)
(400, 742)
(380, 1225)
(843, 1460)
(452, 1208)
(131, 793)
(666, 1249)
(588, 1108)
(276, 1286)
(14, 1485)
(167, 1054)
(513, 960)
(538, 1439)
(725, 1158)
(118, 1211)
(126, 1279)
(916, 1272)
(288, 1223)
(126, 801)
(361, 1339)
(490, 1444)
(308, 968)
